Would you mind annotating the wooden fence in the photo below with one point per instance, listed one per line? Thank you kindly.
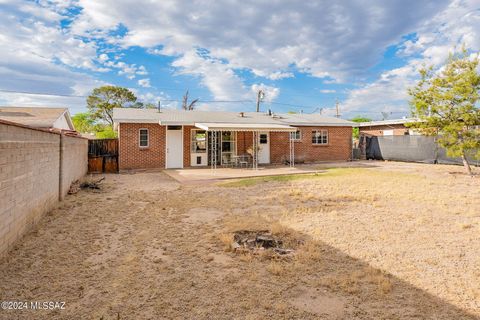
(103, 156)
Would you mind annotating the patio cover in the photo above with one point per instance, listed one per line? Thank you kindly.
(211, 126)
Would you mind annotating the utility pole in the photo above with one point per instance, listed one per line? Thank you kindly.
(337, 114)
(260, 96)
(159, 106)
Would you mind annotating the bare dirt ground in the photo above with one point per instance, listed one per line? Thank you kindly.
(392, 241)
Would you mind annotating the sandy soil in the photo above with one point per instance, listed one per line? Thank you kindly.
(393, 241)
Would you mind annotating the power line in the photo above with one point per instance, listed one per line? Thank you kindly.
(204, 101)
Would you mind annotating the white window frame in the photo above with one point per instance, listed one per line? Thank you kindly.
(295, 137)
(192, 135)
(323, 133)
(140, 138)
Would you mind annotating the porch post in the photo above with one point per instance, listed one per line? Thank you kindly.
(213, 151)
(255, 150)
(292, 151)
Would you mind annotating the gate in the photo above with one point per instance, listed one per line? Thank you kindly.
(103, 156)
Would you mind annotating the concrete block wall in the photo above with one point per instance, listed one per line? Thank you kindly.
(74, 161)
(30, 178)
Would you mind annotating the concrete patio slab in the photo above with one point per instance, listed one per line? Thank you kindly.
(193, 175)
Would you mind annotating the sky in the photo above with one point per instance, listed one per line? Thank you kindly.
(305, 55)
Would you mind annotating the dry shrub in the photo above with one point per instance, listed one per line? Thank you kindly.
(295, 192)
(377, 277)
(227, 240)
(308, 252)
(247, 257)
(276, 268)
(344, 282)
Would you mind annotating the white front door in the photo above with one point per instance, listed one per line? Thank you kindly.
(264, 147)
(174, 147)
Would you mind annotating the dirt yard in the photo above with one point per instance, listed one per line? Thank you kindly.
(386, 241)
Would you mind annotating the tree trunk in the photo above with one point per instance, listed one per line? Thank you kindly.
(466, 164)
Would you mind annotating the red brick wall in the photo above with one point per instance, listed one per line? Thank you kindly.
(338, 148)
(244, 141)
(339, 145)
(131, 156)
(398, 130)
(186, 145)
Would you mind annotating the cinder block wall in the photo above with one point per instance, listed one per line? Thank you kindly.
(30, 177)
(131, 155)
(74, 161)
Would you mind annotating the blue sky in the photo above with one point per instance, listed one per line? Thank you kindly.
(304, 55)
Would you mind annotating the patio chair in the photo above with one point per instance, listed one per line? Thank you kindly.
(227, 162)
(244, 160)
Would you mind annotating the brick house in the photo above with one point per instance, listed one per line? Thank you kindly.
(178, 139)
(394, 127)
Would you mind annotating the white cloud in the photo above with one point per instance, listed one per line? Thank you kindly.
(128, 70)
(336, 39)
(222, 82)
(457, 25)
(144, 83)
(327, 91)
(270, 93)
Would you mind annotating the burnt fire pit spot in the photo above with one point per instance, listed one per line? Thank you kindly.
(255, 241)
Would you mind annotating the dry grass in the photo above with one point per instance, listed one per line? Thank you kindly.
(276, 268)
(227, 240)
(137, 249)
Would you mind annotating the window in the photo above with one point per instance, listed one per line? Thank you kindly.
(297, 135)
(263, 138)
(143, 138)
(199, 141)
(320, 137)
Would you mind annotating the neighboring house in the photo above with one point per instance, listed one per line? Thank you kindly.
(177, 138)
(54, 119)
(394, 127)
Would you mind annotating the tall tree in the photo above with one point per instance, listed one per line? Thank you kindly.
(358, 119)
(186, 105)
(83, 122)
(445, 102)
(103, 99)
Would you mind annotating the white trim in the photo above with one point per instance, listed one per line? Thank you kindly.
(139, 138)
(386, 122)
(244, 127)
(166, 147)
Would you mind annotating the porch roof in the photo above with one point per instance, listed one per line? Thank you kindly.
(216, 126)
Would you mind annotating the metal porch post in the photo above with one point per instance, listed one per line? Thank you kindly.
(292, 151)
